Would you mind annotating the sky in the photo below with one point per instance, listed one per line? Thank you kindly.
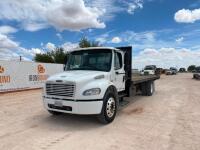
(165, 33)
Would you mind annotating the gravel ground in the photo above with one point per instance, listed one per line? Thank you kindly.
(169, 120)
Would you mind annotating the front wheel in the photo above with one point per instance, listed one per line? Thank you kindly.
(109, 109)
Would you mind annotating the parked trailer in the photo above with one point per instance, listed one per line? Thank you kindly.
(94, 82)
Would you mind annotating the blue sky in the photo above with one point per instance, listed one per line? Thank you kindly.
(162, 32)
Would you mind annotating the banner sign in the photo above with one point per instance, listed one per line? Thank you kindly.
(16, 75)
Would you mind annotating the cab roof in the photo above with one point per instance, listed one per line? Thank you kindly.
(93, 48)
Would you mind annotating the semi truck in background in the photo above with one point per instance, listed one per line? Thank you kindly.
(94, 82)
(149, 70)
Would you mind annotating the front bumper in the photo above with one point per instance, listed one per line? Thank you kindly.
(82, 107)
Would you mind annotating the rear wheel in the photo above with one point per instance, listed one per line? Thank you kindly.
(148, 88)
(109, 109)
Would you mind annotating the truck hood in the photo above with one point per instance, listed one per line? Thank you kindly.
(76, 75)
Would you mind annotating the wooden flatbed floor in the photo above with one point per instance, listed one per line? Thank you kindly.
(136, 79)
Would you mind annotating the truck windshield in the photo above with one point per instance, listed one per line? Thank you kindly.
(97, 60)
(148, 68)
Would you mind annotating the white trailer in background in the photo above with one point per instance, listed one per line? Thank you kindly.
(20, 75)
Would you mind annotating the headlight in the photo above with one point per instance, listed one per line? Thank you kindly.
(94, 91)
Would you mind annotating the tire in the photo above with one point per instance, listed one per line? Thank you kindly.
(148, 88)
(55, 113)
(144, 89)
(109, 108)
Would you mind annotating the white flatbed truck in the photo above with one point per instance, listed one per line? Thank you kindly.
(94, 82)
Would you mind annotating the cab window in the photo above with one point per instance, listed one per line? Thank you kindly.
(118, 61)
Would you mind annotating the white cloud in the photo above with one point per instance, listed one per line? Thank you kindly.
(73, 15)
(59, 36)
(68, 46)
(167, 57)
(149, 51)
(147, 36)
(34, 15)
(7, 43)
(116, 40)
(11, 50)
(50, 46)
(7, 30)
(109, 7)
(103, 38)
(187, 16)
(8, 55)
(36, 51)
(180, 40)
(34, 26)
(132, 6)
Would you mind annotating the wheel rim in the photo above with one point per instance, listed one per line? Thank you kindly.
(110, 107)
(151, 87)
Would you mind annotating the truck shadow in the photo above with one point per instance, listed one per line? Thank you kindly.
(69, 121)
(81, 122)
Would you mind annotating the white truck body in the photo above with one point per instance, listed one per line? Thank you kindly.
(94, 90)
(84, 80)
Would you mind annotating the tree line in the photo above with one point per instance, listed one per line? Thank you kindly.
(59, 55)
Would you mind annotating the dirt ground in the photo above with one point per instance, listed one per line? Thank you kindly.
(169, 120)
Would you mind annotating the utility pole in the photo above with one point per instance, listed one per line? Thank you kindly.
(20, 58)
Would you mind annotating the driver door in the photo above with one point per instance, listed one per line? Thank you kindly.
(119, 72)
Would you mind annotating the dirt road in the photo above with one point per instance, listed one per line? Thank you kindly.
(169, 120)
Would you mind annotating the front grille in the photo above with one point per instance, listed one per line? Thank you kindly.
(67, 108)
(58, 89)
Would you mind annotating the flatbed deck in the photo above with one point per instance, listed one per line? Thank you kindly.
(136, 79)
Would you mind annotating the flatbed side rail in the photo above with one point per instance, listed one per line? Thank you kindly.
(141, 79)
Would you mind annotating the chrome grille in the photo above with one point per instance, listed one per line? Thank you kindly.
(58, 89)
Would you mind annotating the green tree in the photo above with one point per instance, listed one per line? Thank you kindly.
(191, 68)
(55, 56)
(46, 58)
(59, 56)
(84, 42)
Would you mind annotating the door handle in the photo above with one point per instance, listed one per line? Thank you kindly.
(117, 73)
